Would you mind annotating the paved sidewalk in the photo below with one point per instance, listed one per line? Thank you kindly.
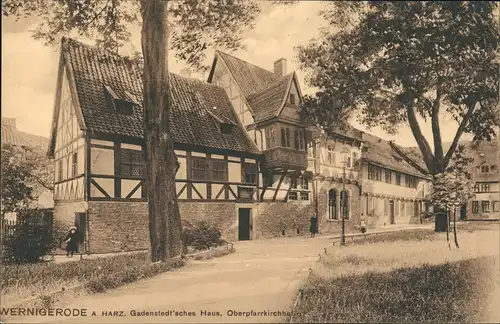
(385, 229)
(261, 276)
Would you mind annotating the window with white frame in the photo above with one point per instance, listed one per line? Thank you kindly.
(485, 187)
(310, 148)
(330, 155)
(496, 206)
(485, 168)
(485, 206)
(299, 189)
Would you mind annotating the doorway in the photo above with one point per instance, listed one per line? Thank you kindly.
(244, 224)
(463, 212)
(81, 225)
(392, 221)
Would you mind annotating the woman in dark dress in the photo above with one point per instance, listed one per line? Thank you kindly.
(314, 225)
(71, 240)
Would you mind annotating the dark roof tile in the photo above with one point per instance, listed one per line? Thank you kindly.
(249, 77)
(191, 123)
(379, 151)
(268, 102)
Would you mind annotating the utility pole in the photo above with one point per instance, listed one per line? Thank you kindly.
(344, 154)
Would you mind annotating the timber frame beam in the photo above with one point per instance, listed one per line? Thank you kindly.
(279, 186)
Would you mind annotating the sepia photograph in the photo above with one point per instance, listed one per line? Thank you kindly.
(250, 161)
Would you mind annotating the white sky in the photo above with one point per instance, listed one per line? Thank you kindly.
(29, 69)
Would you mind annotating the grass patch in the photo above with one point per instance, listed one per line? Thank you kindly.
(419, 235)
(446, 293)
(58, 275)
(25, 281)
(130, 275)
(408, 277)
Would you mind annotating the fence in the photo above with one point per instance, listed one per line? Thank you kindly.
(8, 228)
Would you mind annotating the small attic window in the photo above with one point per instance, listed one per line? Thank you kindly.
(226, 128)
(224, 125)
(122, 106)
(292, 99)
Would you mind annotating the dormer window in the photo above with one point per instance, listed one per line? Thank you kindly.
(224, 125)
(226, 128)
(122, 105)
(292, 98)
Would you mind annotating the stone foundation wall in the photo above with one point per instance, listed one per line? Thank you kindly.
(275, 219)
(117, 226)
(221, 215)
(123, 226)
(64, 213)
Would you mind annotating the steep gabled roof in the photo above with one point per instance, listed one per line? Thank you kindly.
(264, 91)
(250, 78)
(268, 102)
(95, 69)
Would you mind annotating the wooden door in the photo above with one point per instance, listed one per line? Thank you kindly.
(244, 224)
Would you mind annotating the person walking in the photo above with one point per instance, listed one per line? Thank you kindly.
(71, 241)
(362, 225)
(314, 225)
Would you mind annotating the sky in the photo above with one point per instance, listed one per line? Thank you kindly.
(29, 69)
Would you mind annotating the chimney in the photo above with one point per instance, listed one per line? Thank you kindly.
(186, 72)
(280, 67)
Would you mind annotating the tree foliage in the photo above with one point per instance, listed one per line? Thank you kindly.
(454, 186)
(195, 25)
(29, 239)
(389, 63)
(26, 173)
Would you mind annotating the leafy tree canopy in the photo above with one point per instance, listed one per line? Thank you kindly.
(195, 25)
(391, 62)
(454, 186)
(26, 173)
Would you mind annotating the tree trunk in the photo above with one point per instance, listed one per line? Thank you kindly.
(447, 226)
(161, 163)
(455, 228)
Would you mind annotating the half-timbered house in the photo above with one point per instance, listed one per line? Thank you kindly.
(248, 163)
(98, 150)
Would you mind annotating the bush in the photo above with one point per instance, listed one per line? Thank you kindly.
(29, 240)
(201, 235)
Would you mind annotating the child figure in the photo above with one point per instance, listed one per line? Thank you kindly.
(363, 224)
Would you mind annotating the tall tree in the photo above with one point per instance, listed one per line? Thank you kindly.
(192, 26)
(395, 61)
(392, 62)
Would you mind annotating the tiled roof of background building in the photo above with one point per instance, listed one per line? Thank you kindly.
(483, 152)
(191, 123)
(379, 151)
(10, 135)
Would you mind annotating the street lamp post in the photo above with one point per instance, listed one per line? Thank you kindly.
(344, 153)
